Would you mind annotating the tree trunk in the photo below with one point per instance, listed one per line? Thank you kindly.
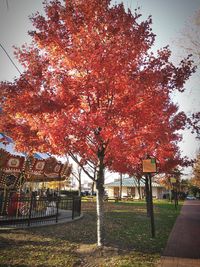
(79, 187)
(100, 214)
(139, 187)
(92, 189)
(79, 180)
(100, 192)
(170, 195)
(120, 187)
(100, 202)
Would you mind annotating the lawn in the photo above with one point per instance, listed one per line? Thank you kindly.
(128, 239)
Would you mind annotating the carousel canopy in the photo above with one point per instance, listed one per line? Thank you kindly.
(17, 168)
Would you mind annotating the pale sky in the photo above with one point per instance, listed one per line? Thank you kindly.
(169, 19)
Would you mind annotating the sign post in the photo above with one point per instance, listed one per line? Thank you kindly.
(174, 186)
(149, 167)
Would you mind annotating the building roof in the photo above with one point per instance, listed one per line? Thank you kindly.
(130, 182)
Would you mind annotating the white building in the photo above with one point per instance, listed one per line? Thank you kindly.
(130, 189)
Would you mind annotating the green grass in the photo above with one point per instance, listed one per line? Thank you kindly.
(132, 229)
(128, 239)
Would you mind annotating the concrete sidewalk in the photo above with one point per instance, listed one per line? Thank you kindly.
(183, 246)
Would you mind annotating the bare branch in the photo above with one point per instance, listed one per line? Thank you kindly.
(81, 165)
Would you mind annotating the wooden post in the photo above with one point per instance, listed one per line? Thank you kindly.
(151, 207)
(149, 167)
(147, 195)
(175, 197)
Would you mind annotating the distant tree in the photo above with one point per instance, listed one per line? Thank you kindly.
(91, 88)
(77, 174)
(196, 172)
(190, 40)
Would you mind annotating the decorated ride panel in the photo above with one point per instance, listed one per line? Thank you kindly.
(15, 170)
(11, 170)
(46, 170)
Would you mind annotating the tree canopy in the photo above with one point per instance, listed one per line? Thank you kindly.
(89, 81)
(92, 87)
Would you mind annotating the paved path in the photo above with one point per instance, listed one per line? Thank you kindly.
(64, 216)
(183, 246)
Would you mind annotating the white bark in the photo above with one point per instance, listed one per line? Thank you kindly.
(100, 218)
(100, 202)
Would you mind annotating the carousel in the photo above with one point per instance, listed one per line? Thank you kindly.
(19, 199)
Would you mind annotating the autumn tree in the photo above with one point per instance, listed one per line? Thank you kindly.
(91, 87)
(166, 152)
(196, 172)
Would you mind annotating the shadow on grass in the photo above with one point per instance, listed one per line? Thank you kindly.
(15, 265)
(128, 239)
(127, 228)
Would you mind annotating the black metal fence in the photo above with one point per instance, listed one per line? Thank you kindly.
(33, 210)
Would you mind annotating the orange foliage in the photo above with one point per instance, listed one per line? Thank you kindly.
(90, 83)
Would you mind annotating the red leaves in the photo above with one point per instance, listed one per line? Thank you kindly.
(88, 68)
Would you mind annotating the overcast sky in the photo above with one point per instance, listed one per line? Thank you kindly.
(169, 19)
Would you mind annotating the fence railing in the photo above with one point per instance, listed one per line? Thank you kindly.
(33, 210)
